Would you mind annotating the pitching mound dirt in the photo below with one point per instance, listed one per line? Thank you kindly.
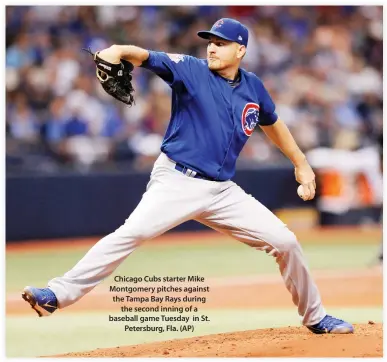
(367, 341)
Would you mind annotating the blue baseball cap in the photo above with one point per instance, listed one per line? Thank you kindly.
(228, 29)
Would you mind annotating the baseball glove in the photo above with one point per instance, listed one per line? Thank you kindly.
(116, 79)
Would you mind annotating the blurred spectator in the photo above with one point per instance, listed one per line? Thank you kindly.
(21, 53)
(322, 66)
(23, 125)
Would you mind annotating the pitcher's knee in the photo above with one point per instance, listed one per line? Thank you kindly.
(287, 242)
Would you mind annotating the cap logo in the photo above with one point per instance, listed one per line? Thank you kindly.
(219, 23)
(240, 38)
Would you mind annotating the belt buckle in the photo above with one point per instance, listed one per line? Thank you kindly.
(188, 172)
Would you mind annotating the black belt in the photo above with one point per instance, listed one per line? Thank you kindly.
(191, 173)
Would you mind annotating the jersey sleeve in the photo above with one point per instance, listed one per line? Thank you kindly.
(174, 69)
(267, 114)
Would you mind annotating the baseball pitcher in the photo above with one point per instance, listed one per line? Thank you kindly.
(216, 106)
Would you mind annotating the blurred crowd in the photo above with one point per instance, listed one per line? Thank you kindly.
(321, 64)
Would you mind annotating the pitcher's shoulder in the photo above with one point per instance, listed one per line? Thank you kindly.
(202, 63)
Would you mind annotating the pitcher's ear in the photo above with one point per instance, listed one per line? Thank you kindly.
(241, 51)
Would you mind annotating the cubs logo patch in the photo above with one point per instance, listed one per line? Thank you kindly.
(250, 118)
(218, 24)
(176, 57)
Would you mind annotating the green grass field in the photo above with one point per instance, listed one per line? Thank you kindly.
(85, 331)
(230, 258)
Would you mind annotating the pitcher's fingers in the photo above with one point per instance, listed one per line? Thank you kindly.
(306, 192)
(311, 190)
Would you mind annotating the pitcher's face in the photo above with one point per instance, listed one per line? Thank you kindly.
(222, 54)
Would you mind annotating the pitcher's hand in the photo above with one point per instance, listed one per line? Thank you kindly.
(306, 177)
